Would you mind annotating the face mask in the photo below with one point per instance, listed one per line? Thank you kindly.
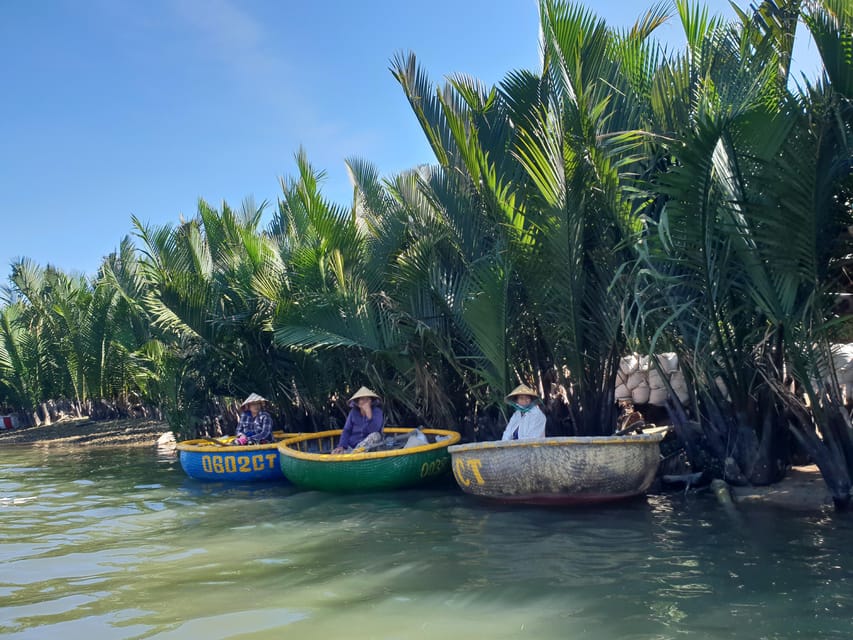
(523, 410)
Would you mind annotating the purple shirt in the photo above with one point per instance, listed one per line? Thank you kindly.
(357, 427)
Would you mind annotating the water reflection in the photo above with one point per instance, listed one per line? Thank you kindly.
(121, 544)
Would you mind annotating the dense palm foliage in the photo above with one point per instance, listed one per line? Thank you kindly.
(738, 271)
(622, 196)
(62, 337)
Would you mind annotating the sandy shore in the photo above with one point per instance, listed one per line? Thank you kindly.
(803, 489)
(122, 433)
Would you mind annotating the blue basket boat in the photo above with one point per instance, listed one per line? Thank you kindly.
(209, 459)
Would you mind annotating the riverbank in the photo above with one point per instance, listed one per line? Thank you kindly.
(132, 432)
(803, 489)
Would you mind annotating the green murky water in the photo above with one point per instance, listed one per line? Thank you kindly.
(120, 544)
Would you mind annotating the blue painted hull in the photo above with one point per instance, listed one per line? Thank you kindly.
(203, 460)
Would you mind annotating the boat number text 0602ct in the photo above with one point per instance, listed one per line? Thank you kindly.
(241, 464)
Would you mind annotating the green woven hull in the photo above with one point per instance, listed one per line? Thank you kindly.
(358, 472)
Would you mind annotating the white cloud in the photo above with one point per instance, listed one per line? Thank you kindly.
(231, 34)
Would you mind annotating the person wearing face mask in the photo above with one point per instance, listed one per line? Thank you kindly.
(363, 421)
(527, 421)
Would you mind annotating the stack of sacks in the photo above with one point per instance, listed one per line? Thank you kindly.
(632, 379)
(628, 375)
(659, 392)
(641, 383)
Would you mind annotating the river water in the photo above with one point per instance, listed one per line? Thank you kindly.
(120, 544)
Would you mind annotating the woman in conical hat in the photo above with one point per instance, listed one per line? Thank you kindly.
(521, 390)
(363, 392)
(528, 421)
(364, 418)
(252, 399)
(255, 425)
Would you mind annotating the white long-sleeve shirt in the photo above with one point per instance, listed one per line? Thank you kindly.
(530, 424)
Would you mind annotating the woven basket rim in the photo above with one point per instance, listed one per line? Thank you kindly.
(203, 446)
(285, 450)
(533, 443)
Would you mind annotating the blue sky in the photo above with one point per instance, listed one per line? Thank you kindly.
(113, 108)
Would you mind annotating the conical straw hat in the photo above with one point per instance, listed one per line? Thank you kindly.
(521, 390)
(253, 397)
(364, 392)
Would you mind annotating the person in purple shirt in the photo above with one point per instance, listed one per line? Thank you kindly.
(364, 418)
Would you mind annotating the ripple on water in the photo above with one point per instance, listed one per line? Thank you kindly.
(147, 552)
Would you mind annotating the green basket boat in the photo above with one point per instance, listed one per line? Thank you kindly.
(305, 464)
